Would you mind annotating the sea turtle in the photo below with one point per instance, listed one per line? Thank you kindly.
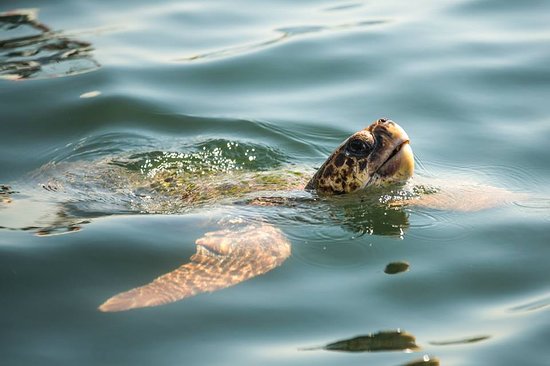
(376, 156)
(365, 164)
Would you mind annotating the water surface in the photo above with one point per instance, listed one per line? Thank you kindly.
(279, 83)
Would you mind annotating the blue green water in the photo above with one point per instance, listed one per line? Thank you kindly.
(468, 80)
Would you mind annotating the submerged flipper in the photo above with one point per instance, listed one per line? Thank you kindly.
(464, 198)
(224, 258)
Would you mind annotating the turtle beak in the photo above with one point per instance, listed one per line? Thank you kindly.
(393, 159)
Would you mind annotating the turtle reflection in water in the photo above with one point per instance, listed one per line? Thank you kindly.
(374, 160)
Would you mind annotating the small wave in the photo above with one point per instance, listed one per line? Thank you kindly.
(118, 137)
(103, 145)
(210, 142)
(212, 155)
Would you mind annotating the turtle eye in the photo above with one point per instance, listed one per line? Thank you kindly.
(358, 147)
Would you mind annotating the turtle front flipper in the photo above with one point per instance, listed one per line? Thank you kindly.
(224, 258)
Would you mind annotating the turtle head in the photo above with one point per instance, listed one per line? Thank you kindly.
(379, 155)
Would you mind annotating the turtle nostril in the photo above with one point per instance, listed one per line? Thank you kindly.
(385, 122)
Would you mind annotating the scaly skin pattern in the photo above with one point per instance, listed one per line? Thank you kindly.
(223, 258)
(216, 187)
(376, 156)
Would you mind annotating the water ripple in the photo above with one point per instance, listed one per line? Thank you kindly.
(436, 228)
(511, 176)
(283, 34)
(533, 305)
(351, 5)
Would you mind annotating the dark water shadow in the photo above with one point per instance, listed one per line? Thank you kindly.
(360, 213)
(29, 49)
(394, 340)
(391, 341)
(535, 305)
(461, 341)
(424, 361)
(396, 267)
(368, 216)
(353, 214)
